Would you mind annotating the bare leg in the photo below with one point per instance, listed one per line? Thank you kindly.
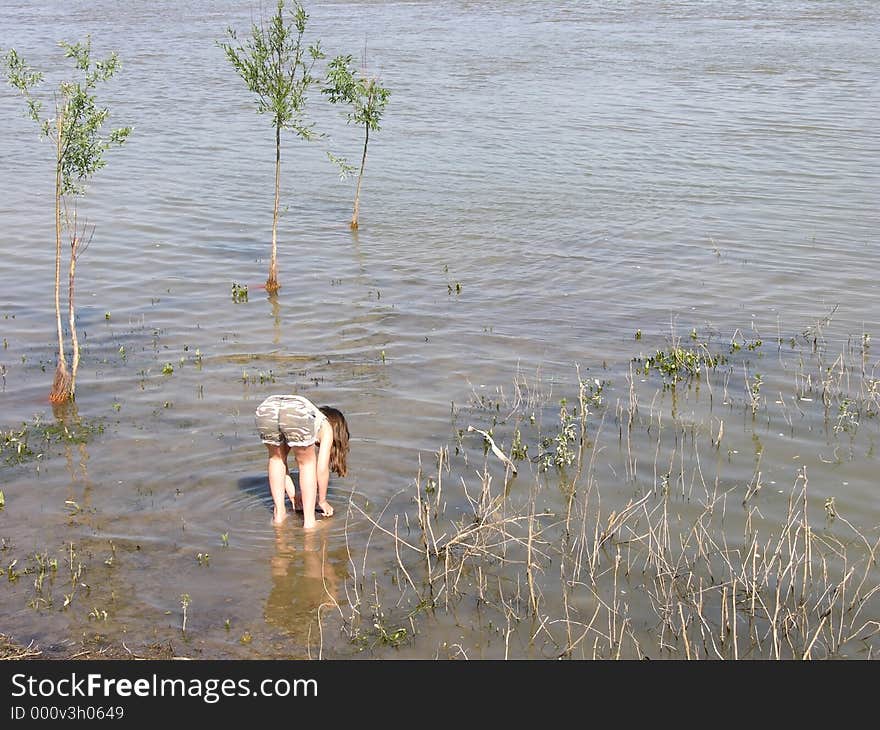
(323, 479)
(308, 482)
(277, 469)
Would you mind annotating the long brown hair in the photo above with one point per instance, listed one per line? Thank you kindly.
(339, 452)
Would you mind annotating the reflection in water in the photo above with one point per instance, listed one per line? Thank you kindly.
(75, 433)
(276, 317)
(307, 572)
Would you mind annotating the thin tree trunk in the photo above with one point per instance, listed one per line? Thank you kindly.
(60, 122)
(272, 282)
(357, 192)
(61, 382)
(71, 312)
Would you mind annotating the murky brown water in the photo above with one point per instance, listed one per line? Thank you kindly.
(582, 170)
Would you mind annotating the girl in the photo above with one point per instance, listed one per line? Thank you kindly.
(292, 422)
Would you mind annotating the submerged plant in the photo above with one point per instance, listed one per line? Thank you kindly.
(680, 363)
(184, 604)
(239, 292)
(25, 443)
(754, 389)
(519, 451)
(653, 572)
(14, 445)
(562, 451)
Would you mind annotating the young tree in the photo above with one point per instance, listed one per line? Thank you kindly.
(276, 65)
(79, 153)
(367, 100)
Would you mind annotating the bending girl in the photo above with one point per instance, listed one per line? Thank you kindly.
(318, 438)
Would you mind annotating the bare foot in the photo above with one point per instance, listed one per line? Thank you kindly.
(276, 520)
(309, 525)
(326, 508)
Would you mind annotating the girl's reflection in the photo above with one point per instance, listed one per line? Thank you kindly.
(307, 572)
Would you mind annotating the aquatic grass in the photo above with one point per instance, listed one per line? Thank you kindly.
(576, 562)
(31, 440)
(561, 452)
(76, 569)
(14, 445)
(260, 377)
(98, 614)
(185, 602)
(562, 563)
(239, 292)
(681, 363)
(700, 589)
(9, 650)
(12, 574)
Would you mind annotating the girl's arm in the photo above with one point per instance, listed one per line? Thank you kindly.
(324, 447)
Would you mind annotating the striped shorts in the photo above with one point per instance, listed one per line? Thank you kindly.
(289, 419)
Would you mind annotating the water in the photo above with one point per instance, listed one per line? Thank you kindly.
(582, 170)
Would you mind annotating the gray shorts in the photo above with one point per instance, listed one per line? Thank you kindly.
(289, 419)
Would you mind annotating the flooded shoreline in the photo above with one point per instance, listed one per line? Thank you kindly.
(597, 191)
(716, 436)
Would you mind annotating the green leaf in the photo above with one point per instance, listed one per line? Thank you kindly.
(345, 169)
(364, 95)
(275, 65)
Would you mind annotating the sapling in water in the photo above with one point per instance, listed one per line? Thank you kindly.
(79, 153)
(366, 99)
(276, 64)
